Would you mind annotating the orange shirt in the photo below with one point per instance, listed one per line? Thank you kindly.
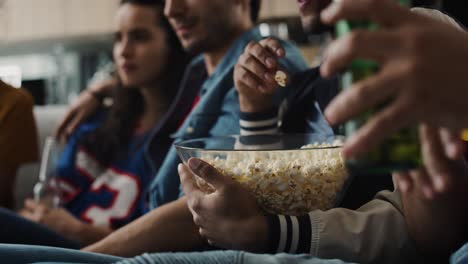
(18, 133)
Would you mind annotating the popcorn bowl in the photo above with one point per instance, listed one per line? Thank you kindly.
(290, 174)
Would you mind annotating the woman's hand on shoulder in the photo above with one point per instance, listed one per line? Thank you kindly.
(85, 106)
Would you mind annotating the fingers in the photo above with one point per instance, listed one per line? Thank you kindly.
(421, 178)
(60, 131)
(34, 211)
(360, 97)
(206, 235)
(437, 164)
(452, 143)
(386, 13)
(28, 215)
(262, 54)
(81, 109)
(403, 181)
(377, 46)
(417, 180)
(213, 238)
(382, 125)
(208, 173)
(274, 46)
(30, 204)
(247, 79)
(24, 212)
(188, 183)
(256, 68)
(195, 197)
(73, 125)
(437, 175)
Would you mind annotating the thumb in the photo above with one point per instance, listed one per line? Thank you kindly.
(436, 162)
(208, 173)
(60, 130)
(453, 145)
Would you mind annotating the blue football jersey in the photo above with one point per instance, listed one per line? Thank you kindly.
(106, 196)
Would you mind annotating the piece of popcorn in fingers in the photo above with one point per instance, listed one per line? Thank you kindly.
(281, 78)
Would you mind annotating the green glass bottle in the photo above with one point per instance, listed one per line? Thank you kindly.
(399, 152)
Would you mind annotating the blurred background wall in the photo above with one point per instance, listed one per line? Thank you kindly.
(53, 48)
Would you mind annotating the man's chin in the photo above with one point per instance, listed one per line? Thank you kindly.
(308, 23)
(193, 46)
(313, 25)
(130, 83)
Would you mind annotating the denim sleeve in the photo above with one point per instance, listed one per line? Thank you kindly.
(461, 256)
(166, 184)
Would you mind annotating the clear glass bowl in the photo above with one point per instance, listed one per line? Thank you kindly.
(288, 174)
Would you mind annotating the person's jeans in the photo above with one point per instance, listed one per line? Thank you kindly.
(225, 257)
(461, 256)
(15, 229)
(19, 254)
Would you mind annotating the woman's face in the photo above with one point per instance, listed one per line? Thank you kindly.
(140, 48)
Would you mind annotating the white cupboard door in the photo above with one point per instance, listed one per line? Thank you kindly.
(84, 17)
(35, 19)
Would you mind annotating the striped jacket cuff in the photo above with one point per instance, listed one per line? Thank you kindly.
(291, 234)
(259, 123)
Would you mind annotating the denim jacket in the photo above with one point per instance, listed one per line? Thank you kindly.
(216, 114)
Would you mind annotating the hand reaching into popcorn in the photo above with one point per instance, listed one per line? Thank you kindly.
(229, 217)
(257, 76)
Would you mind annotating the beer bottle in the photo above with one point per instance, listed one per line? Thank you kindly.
(401, 151)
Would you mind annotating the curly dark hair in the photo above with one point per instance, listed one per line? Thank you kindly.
(110, 140)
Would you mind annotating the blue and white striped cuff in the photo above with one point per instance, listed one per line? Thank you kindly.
(259, 123)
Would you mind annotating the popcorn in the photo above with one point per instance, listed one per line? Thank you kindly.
(292, 182)
(280, 78)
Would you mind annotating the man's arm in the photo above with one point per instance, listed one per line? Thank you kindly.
(167, 228)
(375, 233)
(85, 106)
(63, 222)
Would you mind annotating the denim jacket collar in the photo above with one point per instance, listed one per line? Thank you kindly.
(214, 87)
(231, 57)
